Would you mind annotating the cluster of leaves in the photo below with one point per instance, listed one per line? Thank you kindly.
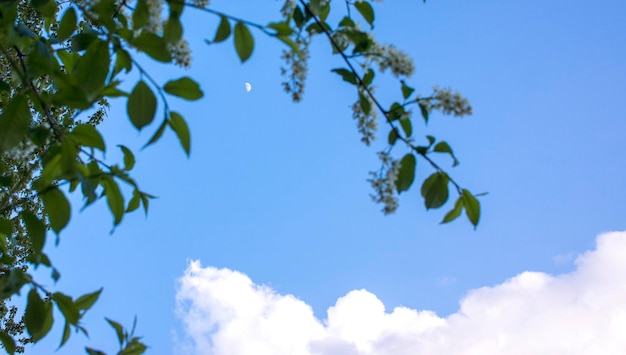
(61, 65)
(65, 60)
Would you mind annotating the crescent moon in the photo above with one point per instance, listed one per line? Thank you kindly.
(248, 87)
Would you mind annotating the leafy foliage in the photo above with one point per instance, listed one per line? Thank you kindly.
(61, 61)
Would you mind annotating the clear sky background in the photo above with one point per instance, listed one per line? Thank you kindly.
(277, 191)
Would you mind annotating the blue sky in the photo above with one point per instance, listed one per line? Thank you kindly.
(277, 191)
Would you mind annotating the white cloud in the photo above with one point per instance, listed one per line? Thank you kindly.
(583, 312)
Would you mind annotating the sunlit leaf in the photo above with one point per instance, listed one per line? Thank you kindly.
(472, 207)
(455, 212)
(134, 202)
(178, 124)
(85, 302)
(435, 190)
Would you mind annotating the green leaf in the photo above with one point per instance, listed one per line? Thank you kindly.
(393, 137)
(66, 334)
(141, 15)
(115, 200)
(91, 351)
(133, 204)
(424, 111)
(145, 201)
(223, 30)
(366, 10)
(184, 87)
(178, 124)
(362, 41)
(443, 147)
(406, 175)
(47, 8)
(324, 11)
(133, 348)
(38, 316)
(85, 302)
(4, 87)
(244, 42)
(7, 342)
(68, 24)
(36, 231)
(298, 17)
(6, 227)
(129, 158)
(81, 41)
(281, 28)
(173, 30)
(91, 70)
(40, 60)
(407, 127)
(67, 307)
(55, 275)
(365, 104)
(346, 75)
(154, 46)
(472, 207)
(122, 61)
(406, 90)
(119, 330)
(141, 105)
(435, 190)
(14, 122)
(88, 135)
(57, 207)
(368, 77)
(12, 283)
(455, 212)
(157, 135)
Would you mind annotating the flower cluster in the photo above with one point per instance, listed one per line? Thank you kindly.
(447, 102)
(296, 68)
(181, 53)
(366, 121)
(384, 183)
(201, 3)
(155, 9)
(390, 57)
